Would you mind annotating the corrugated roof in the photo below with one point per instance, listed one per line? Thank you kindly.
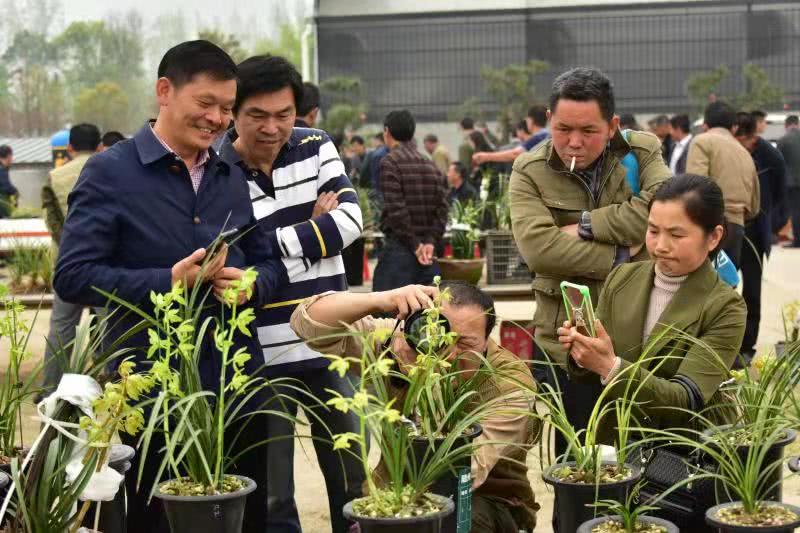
(30, 150)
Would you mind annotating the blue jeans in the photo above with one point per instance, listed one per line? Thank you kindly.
(343, 472)
(398, 267)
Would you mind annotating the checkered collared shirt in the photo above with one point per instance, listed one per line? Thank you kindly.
(199, 168)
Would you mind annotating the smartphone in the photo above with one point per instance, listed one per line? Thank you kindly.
(226, 237)
(578, 303)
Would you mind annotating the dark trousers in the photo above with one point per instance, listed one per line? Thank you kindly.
(398, 267)
(733, 243)
(343, 472)
(752, 270)
(793, 205)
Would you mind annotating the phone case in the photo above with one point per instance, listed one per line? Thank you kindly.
(581, 316)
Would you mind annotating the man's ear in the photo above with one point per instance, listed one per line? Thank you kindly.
(163, 88)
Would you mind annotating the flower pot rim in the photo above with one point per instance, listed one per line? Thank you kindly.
(449, 507)
(587, 526)
(249, 487)
(794, 463)
(714, 522)
(791, 435)
(551, 480)
(463, 261)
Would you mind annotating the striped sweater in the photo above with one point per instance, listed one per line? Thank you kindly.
(307, 166)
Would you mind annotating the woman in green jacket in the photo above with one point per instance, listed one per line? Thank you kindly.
(673, 313)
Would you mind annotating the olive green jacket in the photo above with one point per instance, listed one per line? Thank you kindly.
(678, 372)
(55, 194)
(545, 196)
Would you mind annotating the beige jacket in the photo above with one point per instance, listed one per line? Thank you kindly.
(718, 155)
(498, 470)
(441, 158)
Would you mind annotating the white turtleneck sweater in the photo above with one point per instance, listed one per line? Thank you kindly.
(664, 288)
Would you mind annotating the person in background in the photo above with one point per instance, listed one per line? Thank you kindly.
(438, 153)
(758, 232)
(460, 188)
(680, 133)
(718, 155)
(415, 209)
(309, 110)
(84, 142)
(789, 146)
(521, 133)
(627, 121)
(491, 138)
(537, 126)
(358, 153)
(8, 193)
(466, 149)
(660, 127)
(761, 121)
(109, 139)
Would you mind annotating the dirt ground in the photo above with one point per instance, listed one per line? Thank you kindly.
(780, 286)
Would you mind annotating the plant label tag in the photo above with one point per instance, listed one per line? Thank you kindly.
(464, 500)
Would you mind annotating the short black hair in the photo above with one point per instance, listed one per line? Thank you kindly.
(523, 125)
(467, 123)
(745, 124)
(538, 114)
(310, 99)
(584, 84)
(759, 114)
(681, 122)
(5, 151)
(84, 137)
(627, 121)
(791, 120)
(110, 138)
(378, 137)
(431, 138)
(702, 199)
(186, 60)
(719, 115)
(267, 74)
(357, 139)
(659, 120)
(400, 124)
(463, 294)
(461, 169)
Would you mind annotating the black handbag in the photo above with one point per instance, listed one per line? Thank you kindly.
(663, 468)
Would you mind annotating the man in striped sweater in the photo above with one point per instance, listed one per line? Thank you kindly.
(303, 199)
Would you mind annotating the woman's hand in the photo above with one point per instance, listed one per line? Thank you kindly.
(594, 354)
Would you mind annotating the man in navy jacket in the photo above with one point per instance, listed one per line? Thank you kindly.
(143, 212)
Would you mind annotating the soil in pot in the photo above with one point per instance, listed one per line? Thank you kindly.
(432, 512)
(455, 485)
(576, 492)
(773, 456)
(770, 517)
(210, 513)
(613, 524)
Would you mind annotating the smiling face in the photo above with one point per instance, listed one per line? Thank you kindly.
(675, 242)
(196, 113)
(580, 131)
(265, 121)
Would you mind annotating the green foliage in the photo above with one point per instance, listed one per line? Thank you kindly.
(30, 267)
(346, 97)
(513, 89)
(464, 228)
(703, 84)
(288, 45)
(227, 42)
(761, 92)
(471, 107)
(629, 511)
(105, 105)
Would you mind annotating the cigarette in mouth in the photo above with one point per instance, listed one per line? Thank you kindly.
(572, 165)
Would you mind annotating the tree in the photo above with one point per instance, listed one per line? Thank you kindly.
(471, 107)
(704, 85)
(104, 105)
(513, 89)
(344, 95)
(287, 45)
(760, 93)
(229, 43)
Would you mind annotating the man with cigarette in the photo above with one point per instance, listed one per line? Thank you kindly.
(575, 215)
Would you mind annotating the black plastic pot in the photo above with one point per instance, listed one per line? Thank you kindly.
(586, 527)
(573, 501)
(794, 464)
(774, 456)
(448, 484)
(222, 513)
(711, 519)
(112, 514)
(431, 523)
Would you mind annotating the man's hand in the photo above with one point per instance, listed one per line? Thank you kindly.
(595, 354)
(571, 230)
(223, 280)
(479, 158)
(326, 203)
(188, 269)
(424, 254)
(405, 300)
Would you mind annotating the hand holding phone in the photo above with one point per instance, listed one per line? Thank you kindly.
(578, 304)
